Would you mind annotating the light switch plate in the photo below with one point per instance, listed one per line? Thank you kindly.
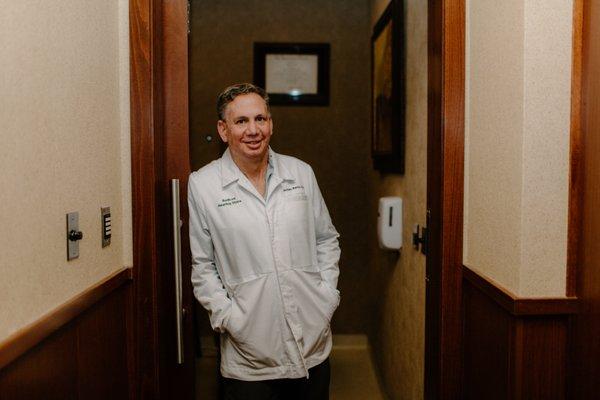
(72, 245)
(106, 222)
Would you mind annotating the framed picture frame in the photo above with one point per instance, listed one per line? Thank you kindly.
(387, 90)
(295, 74)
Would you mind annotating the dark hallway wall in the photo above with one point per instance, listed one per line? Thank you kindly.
(335, 140)
(397, 281)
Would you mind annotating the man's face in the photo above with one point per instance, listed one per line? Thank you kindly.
(247, 127)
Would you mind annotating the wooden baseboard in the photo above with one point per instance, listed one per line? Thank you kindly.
(521, 306)
(29, 336)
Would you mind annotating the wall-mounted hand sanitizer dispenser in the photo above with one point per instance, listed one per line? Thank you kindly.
(389, 223)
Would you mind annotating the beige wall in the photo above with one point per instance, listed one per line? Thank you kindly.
(64, 108)
(517, 143)
(397, 282)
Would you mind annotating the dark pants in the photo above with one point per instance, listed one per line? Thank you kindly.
(316, 387)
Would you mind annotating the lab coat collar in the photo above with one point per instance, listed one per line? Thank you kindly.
(230, 171)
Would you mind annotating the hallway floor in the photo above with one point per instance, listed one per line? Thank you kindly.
(352, 371)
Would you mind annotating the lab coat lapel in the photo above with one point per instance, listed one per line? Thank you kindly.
(280, 173)
(231, 173)
(246, 185)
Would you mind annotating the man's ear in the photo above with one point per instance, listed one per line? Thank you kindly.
(222, 129)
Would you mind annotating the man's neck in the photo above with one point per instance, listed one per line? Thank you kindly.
(254, 169)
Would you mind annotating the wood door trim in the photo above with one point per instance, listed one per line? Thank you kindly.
(584, 351)
(179, 381)
(445, 187)
(520, 306)
(146, 141)
(576, 178)
(159, 125)
(26, 338)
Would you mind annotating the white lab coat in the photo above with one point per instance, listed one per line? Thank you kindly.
(265, 269)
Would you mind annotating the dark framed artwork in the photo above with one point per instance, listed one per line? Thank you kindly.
(387, 90)
(293, 73)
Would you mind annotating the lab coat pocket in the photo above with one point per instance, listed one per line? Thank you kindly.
(335, 298)
(297, 217)
(236, 322)
(254, 326)
(316, 304)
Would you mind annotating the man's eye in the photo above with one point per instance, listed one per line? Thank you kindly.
(239, 122)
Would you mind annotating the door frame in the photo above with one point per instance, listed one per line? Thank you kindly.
(582, 272)
(445, 190)
(157, 93)
(159, 135)
(145, 126)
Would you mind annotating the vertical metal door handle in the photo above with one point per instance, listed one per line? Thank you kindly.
(177, 261)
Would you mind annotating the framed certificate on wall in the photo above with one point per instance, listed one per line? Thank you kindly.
(293, 73)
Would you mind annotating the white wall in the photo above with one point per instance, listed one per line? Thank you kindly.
(64, 108)
(517, 142)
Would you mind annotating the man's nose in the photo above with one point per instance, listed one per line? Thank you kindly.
(253, 128)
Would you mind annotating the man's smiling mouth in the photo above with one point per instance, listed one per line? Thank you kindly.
(253, 143)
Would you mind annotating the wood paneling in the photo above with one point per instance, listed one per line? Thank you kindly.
(48, 371)
(445, 174)
(487, 333)
(540, 360)
(31, 335)
(102, 350)
(514, 348)
(83, 356)
(584, 344)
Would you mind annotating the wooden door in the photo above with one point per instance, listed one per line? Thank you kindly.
(445, 166)
(164, 358)
(584, 382)
(179, 375)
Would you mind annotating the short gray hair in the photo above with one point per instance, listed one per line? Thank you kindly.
(236, 90)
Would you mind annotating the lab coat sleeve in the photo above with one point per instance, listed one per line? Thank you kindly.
(328, 248)
(207, 284)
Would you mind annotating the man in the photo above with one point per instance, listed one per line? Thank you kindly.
(264, 258)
